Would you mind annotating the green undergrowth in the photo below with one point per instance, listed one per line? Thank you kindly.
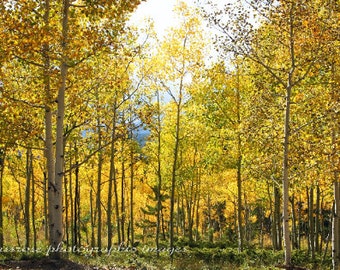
(190, 258)
(212, 258)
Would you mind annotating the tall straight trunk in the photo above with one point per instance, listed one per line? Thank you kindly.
(2, 167)
(311, 222)
(122, 197)
(132, 175)
(323, 234)
(34, 229)
(277, 242)
(178, 102)
(46, 218)
(192, 199)
(271, 215)
(299, 223)
(308, 220)
(247, 227)
(76, 205)
(239, 168)
(294, 226)
(336, 213)
(174, 177)
(317, 220)
(286, 133)
(336, 184)
(197, 220)
(210, 225)
(27, 197)
(92, 218)
(191, 211)
(113, 184)
(178, 215)
(55, 191)
(49, 148)
(99, 187)
(159, 174)
(239, 202)
(66, 204)
(336, 227)
(70, 188)
(285, 182)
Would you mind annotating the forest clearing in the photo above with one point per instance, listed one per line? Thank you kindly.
(213, 146)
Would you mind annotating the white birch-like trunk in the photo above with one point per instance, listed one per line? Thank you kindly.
(56, 227)
(285, 183)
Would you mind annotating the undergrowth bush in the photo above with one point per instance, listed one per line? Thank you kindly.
(213, 257)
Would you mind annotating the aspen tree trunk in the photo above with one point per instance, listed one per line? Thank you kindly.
(276, 226)
(323, 236)
(180, 214)
(72, 202)
(122, 197)
(336, 227)
(191, 209)
(239, 200)
(34, 229)
(239, 168)
(66, 203)
(46, 218)
(285, 173)
(27, 197)
(311, 222)
(210, 225)
(299, 222)
(55, 188)
(294, 226)
(159, 174)
(173, 177)
(99, 187)
(113, 185)
(247, 227)
(132, 175)
(175, 164)
(49, 148)
(2, 163)
(336, 214)
(336, 183)
(285, 180)
(197, 207)
(308, 220)
(69, 202)
(317, 220)
(76, 204)
(92, 218)
(271, 215)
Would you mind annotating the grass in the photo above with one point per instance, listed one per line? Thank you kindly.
(203, 259)
(189, 258)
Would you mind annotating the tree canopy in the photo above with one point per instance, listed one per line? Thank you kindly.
(111, 135)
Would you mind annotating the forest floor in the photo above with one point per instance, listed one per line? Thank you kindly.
(192, 259)
(49, 264)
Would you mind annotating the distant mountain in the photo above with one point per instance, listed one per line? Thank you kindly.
(141, 134)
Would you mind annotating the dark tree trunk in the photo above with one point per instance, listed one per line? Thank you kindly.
(311, 222)
(2, 167)
(99, 187)
(34, 229)
(27, 197)
(317, 220)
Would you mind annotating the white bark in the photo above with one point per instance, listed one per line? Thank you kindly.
(56, 227)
